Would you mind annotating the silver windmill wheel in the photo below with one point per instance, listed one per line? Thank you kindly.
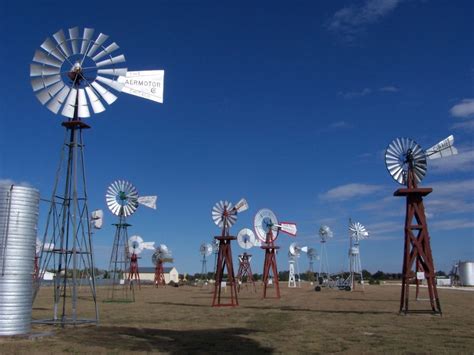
(135, 244)
(205, 249)
(358, 231)
(122, 198)
(66, 72)
(265, 222)
(223, 212)
(403, 154)
(325, 233)
(162, 252)
(246, 238)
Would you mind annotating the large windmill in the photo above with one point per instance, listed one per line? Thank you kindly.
(406, 162)
(78, 74)
(267, 229)
(224, 215)
(123, 200)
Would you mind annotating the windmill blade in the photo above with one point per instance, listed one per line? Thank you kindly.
(241, 206)
(109, 49)
(148, 201)
(68, 109)
(96, 104)
(74, 36)
(49, 46)
(109, 82)
(87, 36)
(114, 60)
(47, 93)
(97, 43)
(104, 93)
(42, 70)
(115, 72)
(41, 57)
(288, 228)
(83, 107)
(61, 41)
(442, 149)
(56, 103)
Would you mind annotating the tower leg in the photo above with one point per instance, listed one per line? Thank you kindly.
(224, 261)
(270, 264)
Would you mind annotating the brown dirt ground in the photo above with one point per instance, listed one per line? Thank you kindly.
(181, 320)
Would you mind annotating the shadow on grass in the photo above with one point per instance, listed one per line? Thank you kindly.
(365, 300)
(205, 341)
(182, 304)
(339, 311)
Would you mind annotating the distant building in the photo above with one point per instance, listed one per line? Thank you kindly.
(148, 274)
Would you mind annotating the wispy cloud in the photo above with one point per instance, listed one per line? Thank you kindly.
(389, 88)
(12, 182)
(465, 125)
(464, 161)
(348, 191)
(452, 224)
(351, 20)
(463, 109)
(339, 125)
(355, 94)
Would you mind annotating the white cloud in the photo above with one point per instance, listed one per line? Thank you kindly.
(339, 124)
(455, 187)
(354, 94)
(463, 109)
(389, 88)
(346, 192)
(382, 228)
(351, 20)
(11, 182)
(464, 161)
(452, 224)
(465, 125)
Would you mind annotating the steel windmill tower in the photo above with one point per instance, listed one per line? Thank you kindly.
(77, 74)
(325, 233)
(357, 233)
(406, 162)
(246, 240)
(123, 200)
(205, 250)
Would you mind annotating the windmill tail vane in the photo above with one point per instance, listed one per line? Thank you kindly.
(148, 201)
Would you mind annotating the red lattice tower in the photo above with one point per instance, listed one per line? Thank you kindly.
(134, 274)
(406, 162)
(159, 274)
(267, 229)
(224, 216)
(245, 271)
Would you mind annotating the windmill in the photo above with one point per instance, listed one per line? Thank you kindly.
(294, 252)
(224, 215)
(357, 232)
(135, 246)
(78, 74)
(215, 250)
(205, 250)
(312, 255)
(325, 233)
(246, 240)
(267, 229)
(406, 162)
(161, 255)
(123, 200)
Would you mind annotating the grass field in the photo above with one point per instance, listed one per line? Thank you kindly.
(180, 320)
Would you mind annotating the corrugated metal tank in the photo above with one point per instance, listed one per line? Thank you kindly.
(466, 273)
(19, 208)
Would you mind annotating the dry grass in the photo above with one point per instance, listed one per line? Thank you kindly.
(180, 320)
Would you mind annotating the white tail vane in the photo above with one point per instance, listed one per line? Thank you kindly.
(147, 84)
(241, 206)
(47, 247)
(288, 228)
(149, 245)
(304, 249)
(444, 148)
(148, 201)
(97, 218)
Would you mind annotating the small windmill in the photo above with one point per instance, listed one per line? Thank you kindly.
(78, 74)
(161, 255)
(325, 233)
(406, 162)
(357, 232)
(135, 246)
(123, 200)
(267, 229)
(205, 250)
(215, 250)
(246, 240)
(294, 252)
(224, 215)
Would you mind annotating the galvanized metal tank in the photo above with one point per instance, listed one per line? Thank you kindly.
(19, 208)
(466, 273)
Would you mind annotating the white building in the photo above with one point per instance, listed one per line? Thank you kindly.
(148, 274)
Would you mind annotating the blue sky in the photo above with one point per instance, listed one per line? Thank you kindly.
(288, 104)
